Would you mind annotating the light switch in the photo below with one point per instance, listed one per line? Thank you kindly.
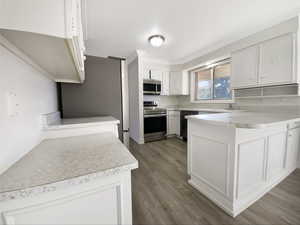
(13, 105)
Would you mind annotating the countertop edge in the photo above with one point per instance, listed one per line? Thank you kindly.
(51, 187)
(201, 109)
(243, 125)
(79, 125)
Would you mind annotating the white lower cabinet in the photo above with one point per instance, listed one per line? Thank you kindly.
(107, 201)
(234, 167)
(276, 154)
(173, 124)
(251, 164)
(293, 146)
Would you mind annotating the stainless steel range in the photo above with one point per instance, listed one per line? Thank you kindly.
(155, 122)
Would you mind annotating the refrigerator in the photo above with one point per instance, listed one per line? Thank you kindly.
(103, 93)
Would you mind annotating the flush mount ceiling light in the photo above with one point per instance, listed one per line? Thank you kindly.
(156, 40)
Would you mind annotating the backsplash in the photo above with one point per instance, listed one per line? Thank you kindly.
(184, 101)
(163, 101)
(275, 105)
(267, 104)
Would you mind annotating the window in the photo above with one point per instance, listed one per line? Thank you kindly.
(213, 82)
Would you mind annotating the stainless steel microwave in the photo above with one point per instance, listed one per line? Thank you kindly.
(152, 87)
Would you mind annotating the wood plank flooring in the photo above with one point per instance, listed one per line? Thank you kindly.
(161, 194)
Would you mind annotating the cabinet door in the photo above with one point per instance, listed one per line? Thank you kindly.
(174, 123)
(156, 75)
(177, 125)
(146, 74)
(175, 83)
(293, 148)
(276, 154)
(245, 67)
(276, 60)
(171, 125)
(165, 83)
(251, 166)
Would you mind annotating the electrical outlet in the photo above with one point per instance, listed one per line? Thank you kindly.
(13, 104)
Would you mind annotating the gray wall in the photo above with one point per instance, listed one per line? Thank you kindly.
(99, 95)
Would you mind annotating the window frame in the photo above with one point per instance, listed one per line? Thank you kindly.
(193, 89)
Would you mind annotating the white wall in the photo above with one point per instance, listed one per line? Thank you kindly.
(135, 103)
(35, 94)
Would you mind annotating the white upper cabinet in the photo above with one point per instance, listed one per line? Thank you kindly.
(146, 74)
(276, 61)
(165, 83)
(268, 63)
(46, 34)
(157, 75)
(245, 67)
(179, 83)
(153, 74)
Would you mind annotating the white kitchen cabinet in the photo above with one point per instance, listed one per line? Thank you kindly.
(165, 83)
(233, 166)
(173, 126)
(276, 154)
(104, 201)
(150, 74)
(47, 35)
(157, 75)
(179, 83)
(276, 61)
(245, 67)
(146, 74)
(293, 146)
(268, 63)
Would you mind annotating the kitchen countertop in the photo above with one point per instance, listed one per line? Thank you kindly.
(200, 109)
(58, 163)
(80, 122)
(240, 119)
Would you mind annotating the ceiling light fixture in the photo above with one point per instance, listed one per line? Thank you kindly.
(156, 40)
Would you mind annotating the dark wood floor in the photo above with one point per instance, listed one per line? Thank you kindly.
(161, 194)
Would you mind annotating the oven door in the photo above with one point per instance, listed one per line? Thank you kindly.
(155, 124)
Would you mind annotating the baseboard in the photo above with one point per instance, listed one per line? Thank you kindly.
(212, 195)
(238, 206)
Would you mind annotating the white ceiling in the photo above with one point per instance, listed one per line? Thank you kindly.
(191, 27)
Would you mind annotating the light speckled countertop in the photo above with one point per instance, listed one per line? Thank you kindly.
(199, 109)
(81, 122)
(240, 119)
(57, 163)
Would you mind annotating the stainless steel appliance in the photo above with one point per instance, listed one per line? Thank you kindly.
(96, 97)
(155, 122)
(152, 87)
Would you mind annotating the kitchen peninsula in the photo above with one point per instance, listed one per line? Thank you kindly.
(79, 174)
(235, 158)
